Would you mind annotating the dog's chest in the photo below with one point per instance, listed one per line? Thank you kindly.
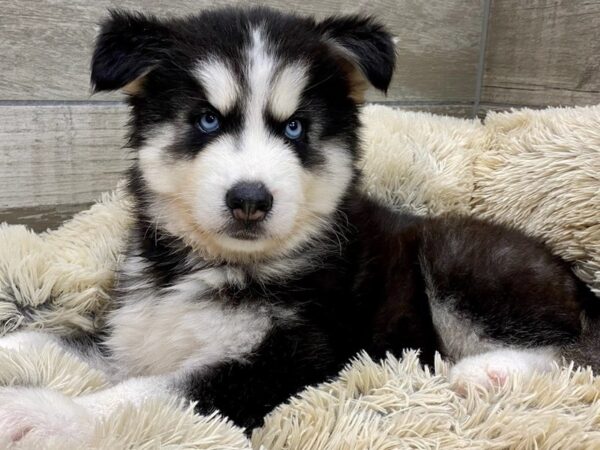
(183, 327)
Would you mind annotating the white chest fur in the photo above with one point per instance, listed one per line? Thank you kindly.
(183, 327)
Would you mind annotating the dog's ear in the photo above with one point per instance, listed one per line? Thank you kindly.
(365, 50)
(128, 47)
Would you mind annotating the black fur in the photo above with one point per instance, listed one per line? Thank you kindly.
(370, 295)
(127, 47)
(367, 292)
(130, 45)
(368, 43)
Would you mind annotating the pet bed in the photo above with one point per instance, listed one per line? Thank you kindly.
(539, 170)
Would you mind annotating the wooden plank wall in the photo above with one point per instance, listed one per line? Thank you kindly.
(60, 146)
(57, 154)
(542, 52)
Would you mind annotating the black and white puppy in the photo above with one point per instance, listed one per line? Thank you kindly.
(256, 267)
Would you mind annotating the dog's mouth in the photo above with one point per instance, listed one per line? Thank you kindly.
(245, 232)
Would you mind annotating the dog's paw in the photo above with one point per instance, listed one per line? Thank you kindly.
(483, 374)
(494, 369)
(36, 415)
(23, 340)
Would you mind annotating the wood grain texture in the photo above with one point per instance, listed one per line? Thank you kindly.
(60, 154)
(41, 218)
(543, 52)
(45, 46)
(441, 109)
(69, 154)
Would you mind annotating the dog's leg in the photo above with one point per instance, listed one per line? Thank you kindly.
(244, 390)
(41, 413)
(494, 369)
(44, 413)
(289, 359)
(501, 302)
(23, 340)
(133, 391)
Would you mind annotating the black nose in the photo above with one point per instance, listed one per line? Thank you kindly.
(249, 201)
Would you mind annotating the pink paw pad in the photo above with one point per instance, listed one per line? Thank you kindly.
(497, 377)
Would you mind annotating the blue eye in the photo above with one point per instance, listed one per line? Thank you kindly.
(208, 123)
(293, 129)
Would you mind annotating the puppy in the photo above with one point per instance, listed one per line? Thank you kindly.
(256, 267)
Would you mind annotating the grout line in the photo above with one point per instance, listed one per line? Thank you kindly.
(481, 62)
(420, 103)
(61, 103)
(508, 106)
(119, 103)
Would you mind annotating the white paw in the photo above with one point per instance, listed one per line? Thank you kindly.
(494, 369)
(25, 339)
(477, 373)
(36, 415)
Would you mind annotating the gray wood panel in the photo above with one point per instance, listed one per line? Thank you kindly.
(45, 45)
(59, 154)
(41, 218)
(543, 52)
(70, 153)
(441, 109)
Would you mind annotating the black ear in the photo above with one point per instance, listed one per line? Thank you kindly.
(128, 46)
(365, 44)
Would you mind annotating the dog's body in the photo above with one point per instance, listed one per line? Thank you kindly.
(256, 267)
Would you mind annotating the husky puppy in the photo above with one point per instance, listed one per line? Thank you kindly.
(256, 267)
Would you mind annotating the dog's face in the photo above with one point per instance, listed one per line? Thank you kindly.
(244, 121)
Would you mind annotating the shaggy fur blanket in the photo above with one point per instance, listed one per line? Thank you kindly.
(539, 170)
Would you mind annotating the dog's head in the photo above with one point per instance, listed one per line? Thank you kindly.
(245, 122)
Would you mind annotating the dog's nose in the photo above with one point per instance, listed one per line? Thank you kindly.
(249, 201)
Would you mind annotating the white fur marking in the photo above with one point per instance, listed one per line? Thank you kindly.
(28, 414)
(152, 160)
(459, 336)
(33, 414)
(132, 276)
(132, 391)
(257, 157)
(287, 89)
(182, 328)
(172, 334)
(260, 74)
(219, 82)
(327, 188)
(493, 369)
(23, 340)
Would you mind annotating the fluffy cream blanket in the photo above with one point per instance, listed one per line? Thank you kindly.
(539, 170)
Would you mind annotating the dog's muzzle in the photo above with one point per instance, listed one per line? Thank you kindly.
(249, 202)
